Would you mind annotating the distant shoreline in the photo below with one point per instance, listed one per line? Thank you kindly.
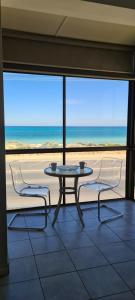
(47, 145)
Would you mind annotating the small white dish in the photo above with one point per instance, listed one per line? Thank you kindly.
(67, 168)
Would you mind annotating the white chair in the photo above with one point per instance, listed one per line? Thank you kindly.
(24, 189)
(108, 179)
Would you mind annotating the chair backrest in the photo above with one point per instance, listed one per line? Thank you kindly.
(110, 171)
(16, 174)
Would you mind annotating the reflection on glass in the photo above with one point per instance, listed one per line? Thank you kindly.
(33, 111)
(96, 112)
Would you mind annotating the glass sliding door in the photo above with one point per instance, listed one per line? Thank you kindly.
(46, 115)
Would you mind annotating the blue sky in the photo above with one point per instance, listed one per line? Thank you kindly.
(37, 100)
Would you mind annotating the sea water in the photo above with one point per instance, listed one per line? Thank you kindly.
(84, 135)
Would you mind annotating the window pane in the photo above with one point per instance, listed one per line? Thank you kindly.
(96, 112)
(33, 111)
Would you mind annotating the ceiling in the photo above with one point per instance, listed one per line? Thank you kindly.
(72, 19)
(120, 3)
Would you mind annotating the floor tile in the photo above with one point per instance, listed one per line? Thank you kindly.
(22, 291)
(18, 221)
(64, 287)
(126, 232)
(120, 203)
(68, 227)
(117, 222)
(33, 211)
(102, 281)
(129, 217)
(47, 244)
(87, 257)
(104, 211)
(76, 240)
(102, 235)
(121, 296)
(21, 269)
(127, 272)
(19, 249)
(93, 225)
(48, 231)
(13, 235)
(32, 221)
(131, 244)
(107, 211)
(87, 215)
(63, 216)
(54, 263)
(117, 252)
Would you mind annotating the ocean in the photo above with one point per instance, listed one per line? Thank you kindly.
(47, 136)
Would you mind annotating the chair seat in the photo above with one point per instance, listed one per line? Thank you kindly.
(97, 186)
(34, 190)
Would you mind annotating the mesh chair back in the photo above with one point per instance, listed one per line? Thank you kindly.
(17, 178)
(110, 171)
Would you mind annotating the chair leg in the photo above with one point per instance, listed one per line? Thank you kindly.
(49, 196)
(79, 190)
(46, 214)
(40, 228)
(57, 209)
(116, 212)
(99, 207)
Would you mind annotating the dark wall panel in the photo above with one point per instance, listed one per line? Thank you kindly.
(58, 53)
(3, 225)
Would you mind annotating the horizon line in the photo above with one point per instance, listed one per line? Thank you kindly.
(116, 125)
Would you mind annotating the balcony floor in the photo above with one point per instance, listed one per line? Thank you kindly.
(69, 262)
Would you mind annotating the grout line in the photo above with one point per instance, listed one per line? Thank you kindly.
(120, 277)
(120, 293)
(36, 267)
(74, 267)
(111, 229)
(17, 282)
(35, 261)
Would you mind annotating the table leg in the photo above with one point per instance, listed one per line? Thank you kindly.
(77, 202)
(59, 202)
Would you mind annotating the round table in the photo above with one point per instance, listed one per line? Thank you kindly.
(63, 190)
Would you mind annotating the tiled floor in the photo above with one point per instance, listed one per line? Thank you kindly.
(69, 262)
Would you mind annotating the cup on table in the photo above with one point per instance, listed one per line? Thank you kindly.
(53, 166)
(82, 164)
